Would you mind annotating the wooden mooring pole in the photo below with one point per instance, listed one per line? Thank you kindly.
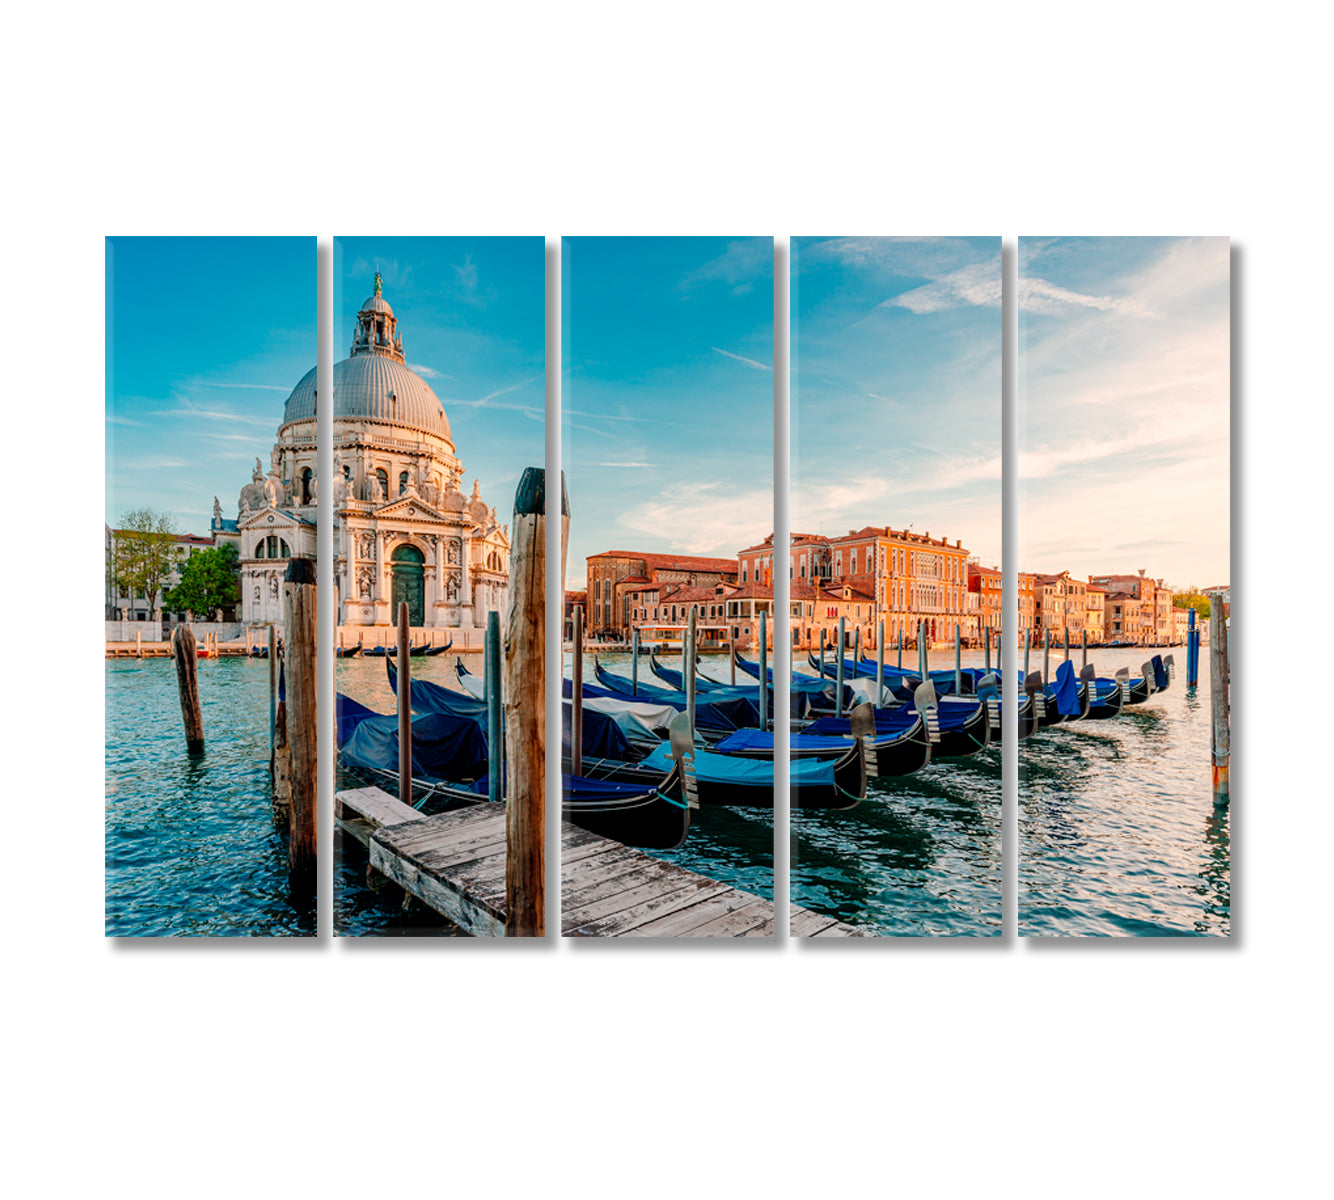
(299, 603)
(822, 640)
(495, 745)
(900, 661)
(1220, 702)
(634, 662)
(764, 671)
(525, 707)
(958, 662)
(183, 649)
(839, 668)
(689, 666)
(577, 695)
(404, 709)
(880, 664)
(1192, 650)
(731, 651)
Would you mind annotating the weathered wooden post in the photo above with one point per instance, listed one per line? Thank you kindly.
(923, 668)
(764, 672)
(1028, 643)
(1219, 687)
(634, 661)
(495, 761)
(689, 665)
(525, 708)
(839, 669)
(731, 648)
(299, 605)
(577, 695)
(183, 649)
(900, 661)
(273, 689)
(822, 639)
(138, 643)
(880, 664)
(1084, 649)
(404, 709)
(856, 649)
(958, 662)
(986, 658)
(1046, 654)
(1067, 643)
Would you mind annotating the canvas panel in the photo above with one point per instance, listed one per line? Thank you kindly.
(895, 556)
(1124, 529)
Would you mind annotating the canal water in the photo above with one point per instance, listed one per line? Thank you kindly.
(191, 849)
(920, 856)
(360, 908)
(1118, 836)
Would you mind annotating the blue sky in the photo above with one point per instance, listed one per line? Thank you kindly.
(667, 394)
(1124, 395)
(896, 387)
(205, 339)
(472, 315)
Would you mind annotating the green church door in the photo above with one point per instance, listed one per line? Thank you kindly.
(409, 584)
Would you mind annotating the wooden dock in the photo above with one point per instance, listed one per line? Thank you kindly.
(455, 864)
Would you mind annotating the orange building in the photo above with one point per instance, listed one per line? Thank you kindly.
(1062, 605)
(614, 575)
(985, 583)
(1028, 619)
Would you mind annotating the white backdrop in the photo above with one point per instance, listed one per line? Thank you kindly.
(1158, 1068)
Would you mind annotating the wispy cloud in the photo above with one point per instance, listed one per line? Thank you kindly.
(265, 387)
(743, 264)
(625, 464)
(115, 420)
(976, 285)
(192, 412)
(427, 372)
(703, 518)
(750, 362)
(467, 285)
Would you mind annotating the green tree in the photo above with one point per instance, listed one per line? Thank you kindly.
(145, 554)
(1190, 598)
(210, 580)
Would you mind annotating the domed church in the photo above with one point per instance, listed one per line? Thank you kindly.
(403, 528)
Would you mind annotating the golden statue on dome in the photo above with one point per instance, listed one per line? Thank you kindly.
(379, 286)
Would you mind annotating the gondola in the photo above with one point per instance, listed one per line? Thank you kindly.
(815, 689)
(897, 743)
(344, 652)
(676, 679)
(431, 651)
(1108, 696)
(449, 764)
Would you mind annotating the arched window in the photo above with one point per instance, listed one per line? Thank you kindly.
(382, 478)
(273, 547)
(259, 549)
(402, 482)
(305, 485)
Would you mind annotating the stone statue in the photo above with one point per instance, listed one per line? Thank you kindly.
(452, 587)
(273, 490)
(453, 553)
(275, 462)
(257, 475)
(257, 600)
(365, 581)
(273, 586)
(217, 511)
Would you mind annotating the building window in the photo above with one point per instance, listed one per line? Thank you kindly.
(402, 482)
(382, 478)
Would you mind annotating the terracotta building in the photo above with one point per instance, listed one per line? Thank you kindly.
(1062, 605)
(985, 584)
(1028, 619)
(614, 576)
(1095, 613)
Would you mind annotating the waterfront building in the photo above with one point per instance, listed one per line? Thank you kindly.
(1095, 613)
(985, 584)
(1154, 626)
(404, 530)
(1061, 603)
(1028, 620)
(122, 606)
(614, 577)
(1180, 625)
(1121, 619)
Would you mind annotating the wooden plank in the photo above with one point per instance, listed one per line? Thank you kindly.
(738, 921)
(439, 895)
(377, 807)
(627, 922)
(684, 921)
(355, 827)
(804, 923)
(624, 893)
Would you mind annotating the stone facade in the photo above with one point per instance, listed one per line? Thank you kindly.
(403, 528)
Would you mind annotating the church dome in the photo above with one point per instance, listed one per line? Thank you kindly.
(374, 383)
(374, 387)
